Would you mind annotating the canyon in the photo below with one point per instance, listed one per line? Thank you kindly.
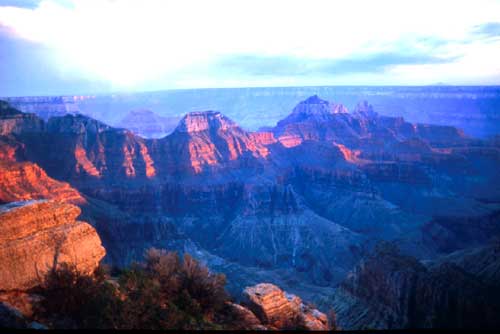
(471, 108)
(303, 205)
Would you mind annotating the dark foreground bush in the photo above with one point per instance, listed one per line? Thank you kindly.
(163, 292)
(75, 300)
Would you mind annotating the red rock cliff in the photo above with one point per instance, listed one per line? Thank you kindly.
(21, 181)
(35, 236)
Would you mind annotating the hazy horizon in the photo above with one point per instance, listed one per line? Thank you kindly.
(125, 92)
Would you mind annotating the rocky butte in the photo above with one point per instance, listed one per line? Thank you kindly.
(148, 124)
(302, 205)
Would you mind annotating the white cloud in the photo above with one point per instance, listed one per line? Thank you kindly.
(132, 42)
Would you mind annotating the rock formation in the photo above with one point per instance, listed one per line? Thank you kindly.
(390, 290)
(36, 236)
(280, 310)
(472, 108)
(13, 121)
(245, 318)
(147, 124)
(21, 181)
(25, 181)
(45, 107)
(209, 140)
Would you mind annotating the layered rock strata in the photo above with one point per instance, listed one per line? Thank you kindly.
(36, 236)
(280, 310)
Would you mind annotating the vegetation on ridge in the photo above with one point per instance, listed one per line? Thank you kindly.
(163, 292)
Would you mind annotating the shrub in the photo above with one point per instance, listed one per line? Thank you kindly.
(76, 300)
(162, 292)
(204, 287)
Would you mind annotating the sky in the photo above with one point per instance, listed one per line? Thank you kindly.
(50, 47)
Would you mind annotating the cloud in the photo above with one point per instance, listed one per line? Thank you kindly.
(20, 3)
(292, 66)
(490, 29)
(380, 62)
(27, 68)
(138, 44)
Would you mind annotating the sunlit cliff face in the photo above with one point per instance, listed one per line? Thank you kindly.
(150, 169)
(214, 138)
(21, 181)
(84, 164)
(349, 155)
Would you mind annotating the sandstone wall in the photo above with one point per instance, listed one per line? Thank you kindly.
(35, 236)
